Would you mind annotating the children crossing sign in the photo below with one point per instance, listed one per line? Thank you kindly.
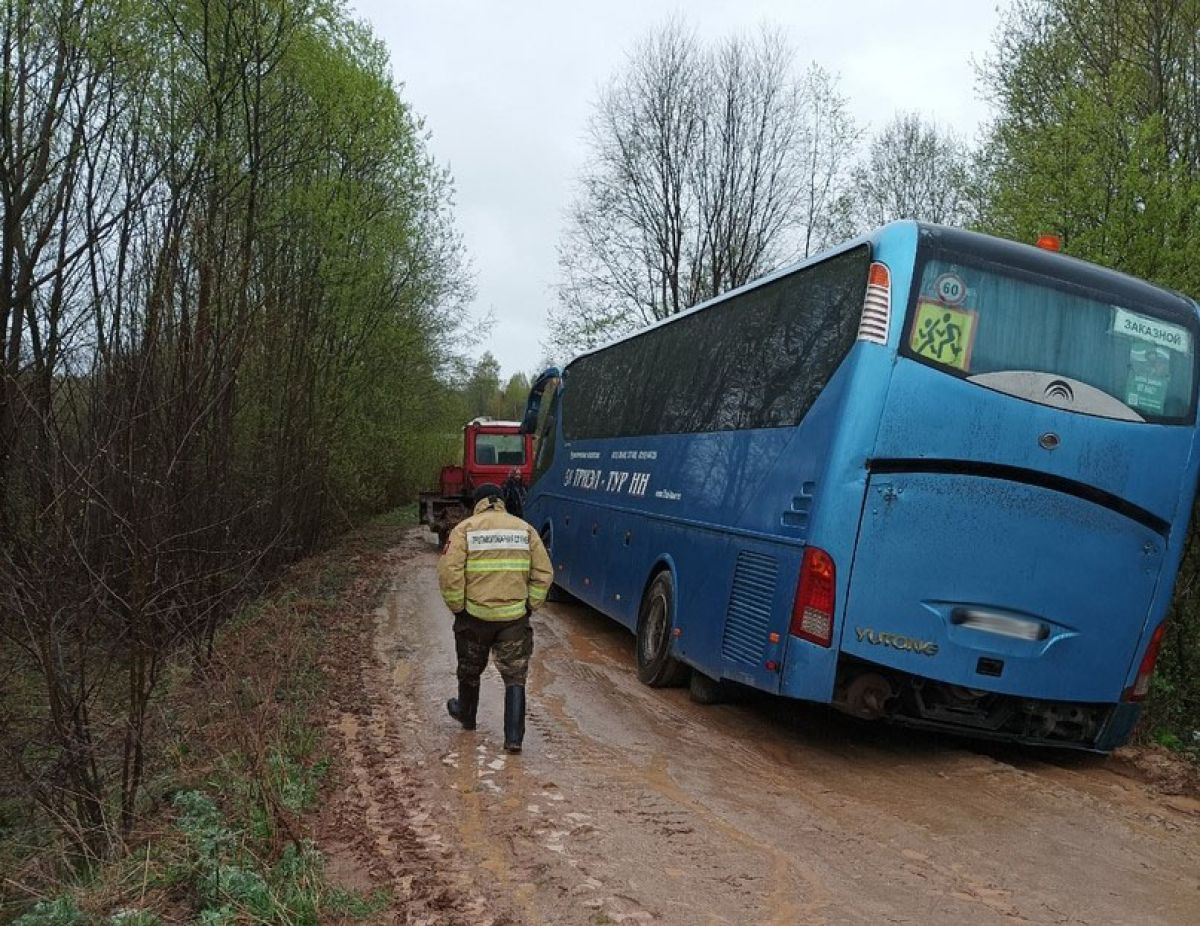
(944, 334)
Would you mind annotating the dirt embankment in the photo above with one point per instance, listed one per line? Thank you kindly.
(635, 805)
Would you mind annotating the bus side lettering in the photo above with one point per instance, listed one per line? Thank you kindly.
(617, 482)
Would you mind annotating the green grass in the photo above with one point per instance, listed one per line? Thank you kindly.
(233, 884)
(63, 911)
(217, 854)
(1171, 740)
(403, 516)
(221, 844)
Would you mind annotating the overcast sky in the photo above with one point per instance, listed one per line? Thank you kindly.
(506, 90)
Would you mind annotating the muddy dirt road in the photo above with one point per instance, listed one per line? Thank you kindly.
(635, 805)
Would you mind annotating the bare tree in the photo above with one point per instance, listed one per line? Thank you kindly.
(227, 279)
(913, 170)
(830, 146)
(709, 166)
(747, 175)
(632, 232)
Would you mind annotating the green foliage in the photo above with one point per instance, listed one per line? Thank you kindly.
(233, 885)
(240, 267)
(483, 387)
(201, 821)
(61, 911)
(1098, 137)
(296, 784)
(482, 395)
(403, 516)
(1168, 739)
(1098, 141)
(366, 216)
(135, 918)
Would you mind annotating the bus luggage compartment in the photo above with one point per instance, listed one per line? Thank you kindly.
(994, 585)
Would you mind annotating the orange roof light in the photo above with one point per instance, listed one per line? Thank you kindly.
(1049, 242)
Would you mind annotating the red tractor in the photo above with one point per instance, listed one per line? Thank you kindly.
(493, 451)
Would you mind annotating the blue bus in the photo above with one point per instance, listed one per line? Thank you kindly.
(928, 475)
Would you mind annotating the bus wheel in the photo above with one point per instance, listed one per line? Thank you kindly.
(655, 664)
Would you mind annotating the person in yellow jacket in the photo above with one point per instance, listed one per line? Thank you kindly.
(493, 573)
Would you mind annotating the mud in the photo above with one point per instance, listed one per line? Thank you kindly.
(634, 805)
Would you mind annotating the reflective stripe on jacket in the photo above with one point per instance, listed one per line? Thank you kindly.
(494, 566)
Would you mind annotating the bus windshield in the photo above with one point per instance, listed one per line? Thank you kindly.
(1049, 342)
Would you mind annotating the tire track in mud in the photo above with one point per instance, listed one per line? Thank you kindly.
(859, 779)
(454, 784)
(377, 819)
(662, 807)
(981, 787)
(634, 805)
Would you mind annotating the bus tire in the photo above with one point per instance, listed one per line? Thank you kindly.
(656, 666)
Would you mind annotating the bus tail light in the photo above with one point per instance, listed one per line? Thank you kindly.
(877, 305)
(812, 612)
(1141, 685)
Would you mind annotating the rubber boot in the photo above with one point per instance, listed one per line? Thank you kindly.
(463, 707)
(514, 717)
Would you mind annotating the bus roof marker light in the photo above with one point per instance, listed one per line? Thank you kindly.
(877, 305)
(816, 595)
(1049, 242)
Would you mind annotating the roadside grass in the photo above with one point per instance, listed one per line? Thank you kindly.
(22, 840)
(1176, 743)
(403, 516)
(241, 760)
(1170, 721)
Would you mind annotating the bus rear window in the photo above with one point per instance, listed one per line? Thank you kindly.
(1046, 341)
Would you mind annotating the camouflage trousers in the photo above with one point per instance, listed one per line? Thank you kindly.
(511, 642)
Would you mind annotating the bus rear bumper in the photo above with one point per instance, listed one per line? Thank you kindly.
(871, 691)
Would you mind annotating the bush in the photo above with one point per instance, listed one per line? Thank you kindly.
(59, 912)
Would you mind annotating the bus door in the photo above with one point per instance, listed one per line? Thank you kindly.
(541, 509)
(625, 569)
(591, 554)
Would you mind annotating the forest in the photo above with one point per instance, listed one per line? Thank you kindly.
(233, 302)
(230, 285)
